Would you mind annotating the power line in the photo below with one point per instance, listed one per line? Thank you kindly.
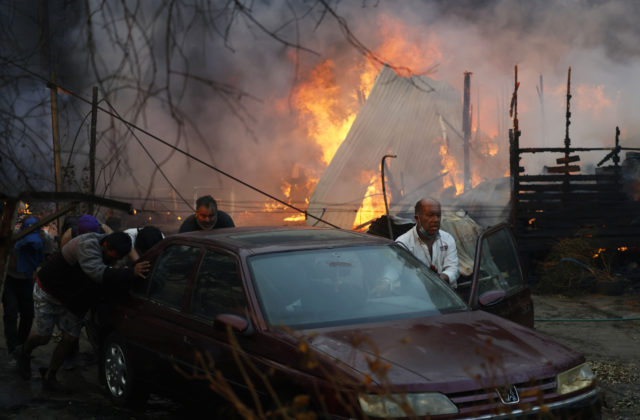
(53, 85)
(152, 159)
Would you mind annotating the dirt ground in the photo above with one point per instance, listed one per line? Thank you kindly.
(591, 324)
(606, 329)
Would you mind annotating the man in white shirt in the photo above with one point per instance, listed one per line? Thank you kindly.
(434, 247)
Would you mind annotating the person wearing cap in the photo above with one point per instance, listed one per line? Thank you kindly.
(67, 286)
(206, 217)
(17, 301)
(86, 223)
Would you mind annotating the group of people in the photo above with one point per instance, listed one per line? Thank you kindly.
(91, 260)
(66, 284)
(42, 291)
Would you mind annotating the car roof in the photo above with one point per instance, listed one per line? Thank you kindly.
(259, 239)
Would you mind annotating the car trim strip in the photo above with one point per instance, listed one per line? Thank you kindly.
(591, 394)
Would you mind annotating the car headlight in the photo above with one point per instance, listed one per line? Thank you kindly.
(575, 379)
(405, 405)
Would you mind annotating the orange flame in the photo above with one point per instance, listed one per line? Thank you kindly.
(328, 100)
(454, 177)
(326, 119)
(413, 50)
(372, 205)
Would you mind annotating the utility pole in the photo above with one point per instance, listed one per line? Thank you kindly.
(55, 132)
(92, 146)
(514, 152)
(466, 129)
(543, 124)
(46, 60)
(47, 63)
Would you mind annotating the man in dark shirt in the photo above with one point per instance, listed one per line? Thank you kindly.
(67, 285)
(207, 217)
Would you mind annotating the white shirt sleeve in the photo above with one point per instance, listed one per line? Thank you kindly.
(450, 260)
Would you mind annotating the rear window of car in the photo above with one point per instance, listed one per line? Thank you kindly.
(347, 285)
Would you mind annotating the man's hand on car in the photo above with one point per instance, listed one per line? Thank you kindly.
(141, 269)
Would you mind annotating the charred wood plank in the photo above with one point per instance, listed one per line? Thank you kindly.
(568, 159)
(530, 210)
(556, 188)
(564, 149)
(578, 197)
(562, 169)
(572, 178)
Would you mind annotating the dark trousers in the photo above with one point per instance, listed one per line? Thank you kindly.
(17, 301)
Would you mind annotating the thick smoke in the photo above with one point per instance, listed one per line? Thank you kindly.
(235, 109)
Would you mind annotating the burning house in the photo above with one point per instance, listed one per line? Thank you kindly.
(412, 129)
(417, 122)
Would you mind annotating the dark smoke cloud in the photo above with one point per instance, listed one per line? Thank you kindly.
(245, 125)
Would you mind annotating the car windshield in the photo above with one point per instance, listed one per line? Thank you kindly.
(348, 285)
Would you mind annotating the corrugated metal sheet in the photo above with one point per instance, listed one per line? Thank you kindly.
(408, 117)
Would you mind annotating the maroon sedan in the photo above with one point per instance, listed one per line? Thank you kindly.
(341, 324)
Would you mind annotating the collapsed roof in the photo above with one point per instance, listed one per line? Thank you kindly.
(410, 117)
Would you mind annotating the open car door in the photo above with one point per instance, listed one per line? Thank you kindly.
(498, 284)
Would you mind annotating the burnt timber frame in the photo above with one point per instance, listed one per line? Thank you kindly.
(558, 204)
(552, 206)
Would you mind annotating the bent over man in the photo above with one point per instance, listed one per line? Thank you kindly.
(434, 247)
(66, 287)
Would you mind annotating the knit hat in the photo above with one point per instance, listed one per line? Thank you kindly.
(88, 223)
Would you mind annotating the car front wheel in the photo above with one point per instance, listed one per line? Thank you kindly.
(119, 374)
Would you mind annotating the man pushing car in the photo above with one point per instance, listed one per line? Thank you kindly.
(66, 287)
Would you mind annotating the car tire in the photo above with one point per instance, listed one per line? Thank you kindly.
(118, 374)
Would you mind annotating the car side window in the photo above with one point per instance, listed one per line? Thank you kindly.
(218, 287)
(499, 264)
(171, 276)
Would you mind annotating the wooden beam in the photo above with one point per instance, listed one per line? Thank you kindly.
(608, 178)
(568, 159)
(562, 169)
(75, 196)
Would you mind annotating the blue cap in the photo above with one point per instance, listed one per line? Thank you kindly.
(30, 221)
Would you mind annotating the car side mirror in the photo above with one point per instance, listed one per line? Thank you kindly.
(491, 297)
(235, 322)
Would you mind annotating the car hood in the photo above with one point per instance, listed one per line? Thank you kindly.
(453, 352)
